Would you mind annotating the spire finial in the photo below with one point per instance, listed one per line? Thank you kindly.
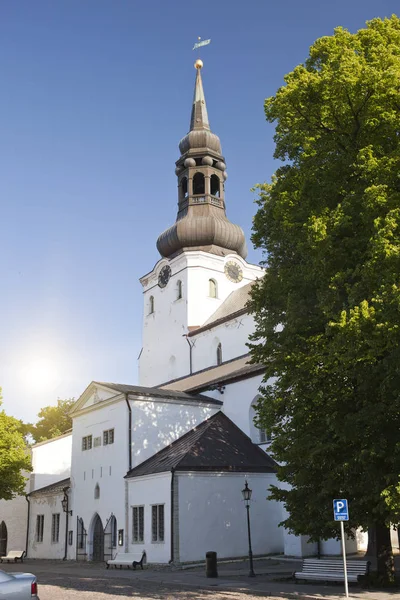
(199, 116)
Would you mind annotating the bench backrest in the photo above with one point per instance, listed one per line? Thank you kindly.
(129, 555)
(15, 553)
(353, 566)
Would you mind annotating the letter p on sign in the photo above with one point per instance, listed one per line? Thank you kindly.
(340, 510)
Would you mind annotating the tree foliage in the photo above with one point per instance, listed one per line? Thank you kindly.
(14, 457)
(328, 309)
(53, 420)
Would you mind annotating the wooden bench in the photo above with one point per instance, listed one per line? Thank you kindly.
(325, 569)
(13, 555)
(129, 559)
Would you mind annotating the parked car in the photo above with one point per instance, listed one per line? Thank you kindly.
(18, 586)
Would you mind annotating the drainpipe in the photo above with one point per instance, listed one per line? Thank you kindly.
(172, 513)
(27, 525)
(129, 431)
(190, 354)
(65, 490)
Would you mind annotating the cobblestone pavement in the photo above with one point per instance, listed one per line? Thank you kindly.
(89, 581)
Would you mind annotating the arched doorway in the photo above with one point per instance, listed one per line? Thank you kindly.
(3, 539)
(98, 540)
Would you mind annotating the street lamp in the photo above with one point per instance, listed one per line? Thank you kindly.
(64, 504)
(246, 493)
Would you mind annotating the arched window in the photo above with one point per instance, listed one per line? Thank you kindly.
(113, 532)
(97, 491)
(199, 184)
(151, 305)
(184, 188)
(219, 354)
(258, 435)
(179, 290)
(212, 288)
(215, 185)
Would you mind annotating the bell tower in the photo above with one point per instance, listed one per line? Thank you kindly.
(203, 254)
(201, 222)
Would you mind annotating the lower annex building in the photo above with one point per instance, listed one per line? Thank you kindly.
(160, 466)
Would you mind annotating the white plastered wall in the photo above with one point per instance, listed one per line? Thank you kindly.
(156, 424)
(165, 352)
(145, 491)
(46, 505)
(14, 513)
(233, 336)
(103, 465)
(212, 515)
(51, 461)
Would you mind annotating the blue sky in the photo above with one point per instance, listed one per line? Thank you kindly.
(95, 96)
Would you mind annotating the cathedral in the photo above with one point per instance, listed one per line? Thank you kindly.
(160, 466)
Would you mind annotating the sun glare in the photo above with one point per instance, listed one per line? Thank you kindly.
(40, 374)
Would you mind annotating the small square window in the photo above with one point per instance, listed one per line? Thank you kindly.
(87, 442)
(108, 437)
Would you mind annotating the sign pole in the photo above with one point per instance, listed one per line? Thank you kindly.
(341, 513)
(346, 586)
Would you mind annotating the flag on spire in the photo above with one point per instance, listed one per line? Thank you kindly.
(200, 44)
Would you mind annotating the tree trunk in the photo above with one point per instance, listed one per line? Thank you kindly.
(371, 549)
(384, 553)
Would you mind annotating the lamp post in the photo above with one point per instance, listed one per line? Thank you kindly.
(64, 504)
(246, 493)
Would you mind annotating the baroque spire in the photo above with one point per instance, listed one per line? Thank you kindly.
(201, 222)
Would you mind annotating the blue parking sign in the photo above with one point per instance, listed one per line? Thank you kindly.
(341, 510)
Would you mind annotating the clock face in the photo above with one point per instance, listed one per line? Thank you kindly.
(233, 271)
(164, 276)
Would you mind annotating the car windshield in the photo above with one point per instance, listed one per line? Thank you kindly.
(4, 577)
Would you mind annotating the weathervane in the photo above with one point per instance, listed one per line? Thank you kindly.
(199, 44)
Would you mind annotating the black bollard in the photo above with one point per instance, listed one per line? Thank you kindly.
(211, 564)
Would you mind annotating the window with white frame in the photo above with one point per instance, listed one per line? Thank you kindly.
(55, 527)
(108, 437)
(39, 528)
(87, 442)
(137, 523)
(157, 523)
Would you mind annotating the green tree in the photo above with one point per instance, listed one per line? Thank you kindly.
(14, 457)
(53, 420)
(328, 309)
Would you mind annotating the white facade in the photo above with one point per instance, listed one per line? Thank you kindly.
(52, 543)
(14, 515)
(212, 515)
(147, 492)
(51, 461)
(97, 481)
(168, 318)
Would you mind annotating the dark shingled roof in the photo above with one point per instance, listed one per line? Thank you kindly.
(217, 444)
(56, 487)
(224, 374)
(155, 392)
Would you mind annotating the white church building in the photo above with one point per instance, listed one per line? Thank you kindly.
(160, 466)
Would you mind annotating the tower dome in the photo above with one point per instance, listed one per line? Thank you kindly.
(201, 222)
